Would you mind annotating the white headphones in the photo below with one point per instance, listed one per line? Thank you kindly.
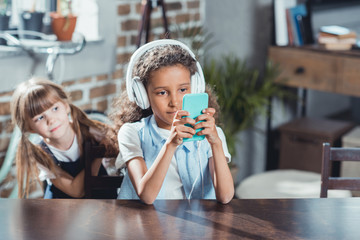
(135, 88)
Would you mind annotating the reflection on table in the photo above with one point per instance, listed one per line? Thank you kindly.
(180, 219)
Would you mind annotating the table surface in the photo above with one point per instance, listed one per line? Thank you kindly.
(180, 219)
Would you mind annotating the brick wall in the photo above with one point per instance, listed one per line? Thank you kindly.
(97, 92)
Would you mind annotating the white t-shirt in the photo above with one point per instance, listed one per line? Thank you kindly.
(130, 147)
(69, 155)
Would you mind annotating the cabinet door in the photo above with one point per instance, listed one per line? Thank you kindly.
(349, 83)
(306, 68)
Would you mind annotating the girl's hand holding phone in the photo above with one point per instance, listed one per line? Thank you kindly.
(208, 124)
(179, 130)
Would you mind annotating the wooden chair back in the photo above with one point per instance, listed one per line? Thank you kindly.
(337, 154)
(103, 183)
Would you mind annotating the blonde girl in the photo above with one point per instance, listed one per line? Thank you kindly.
(43, 107)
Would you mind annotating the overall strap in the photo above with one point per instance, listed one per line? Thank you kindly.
(48, 151)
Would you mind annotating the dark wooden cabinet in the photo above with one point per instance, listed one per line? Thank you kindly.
(319, 69)
(302, 139)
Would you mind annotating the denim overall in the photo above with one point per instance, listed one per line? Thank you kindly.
(73, 168)
(192, 160)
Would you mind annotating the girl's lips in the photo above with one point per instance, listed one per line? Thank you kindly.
(172, 114)
(54, 129)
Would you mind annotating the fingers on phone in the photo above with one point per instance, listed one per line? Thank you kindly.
(206, 124)
(209, 111)
(182, 113)
(204, 117)
(189, 129)
(189, 121)
(185, 125)
(200, 125)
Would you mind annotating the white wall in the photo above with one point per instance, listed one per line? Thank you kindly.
(243, 28)
(240, 27)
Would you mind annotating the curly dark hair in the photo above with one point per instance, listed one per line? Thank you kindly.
(163, 56)
(124, 111)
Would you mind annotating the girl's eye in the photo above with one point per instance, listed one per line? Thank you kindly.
(183, 89)
(39, 118)
(161, 93)
(55, 108)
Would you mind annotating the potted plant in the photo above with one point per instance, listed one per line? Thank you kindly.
(32, 20)
(242, 93)
(4, 17)
(63, 21)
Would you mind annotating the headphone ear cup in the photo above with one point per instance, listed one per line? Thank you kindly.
(141, 97)
(195, 83)
(198, 79)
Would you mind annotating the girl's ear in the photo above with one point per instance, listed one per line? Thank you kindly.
(31, 131)
(68, 109)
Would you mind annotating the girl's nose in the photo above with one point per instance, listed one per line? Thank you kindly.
(50, 118)
(175, 101)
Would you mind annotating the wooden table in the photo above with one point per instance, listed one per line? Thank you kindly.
(196, 219)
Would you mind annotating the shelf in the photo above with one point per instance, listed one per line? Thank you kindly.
(36, 45)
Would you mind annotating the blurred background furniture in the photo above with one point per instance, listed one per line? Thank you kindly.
(299, 169)
(145, 24)
(44, 45)
(348, 168)
(104, 185)
(301, 141)
(334, 154)
(284, 183)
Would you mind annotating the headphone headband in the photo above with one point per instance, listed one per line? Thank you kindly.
(199, 86)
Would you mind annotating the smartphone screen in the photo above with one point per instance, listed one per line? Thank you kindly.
(194, 103)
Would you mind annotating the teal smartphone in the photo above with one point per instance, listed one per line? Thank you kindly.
(194, 103)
